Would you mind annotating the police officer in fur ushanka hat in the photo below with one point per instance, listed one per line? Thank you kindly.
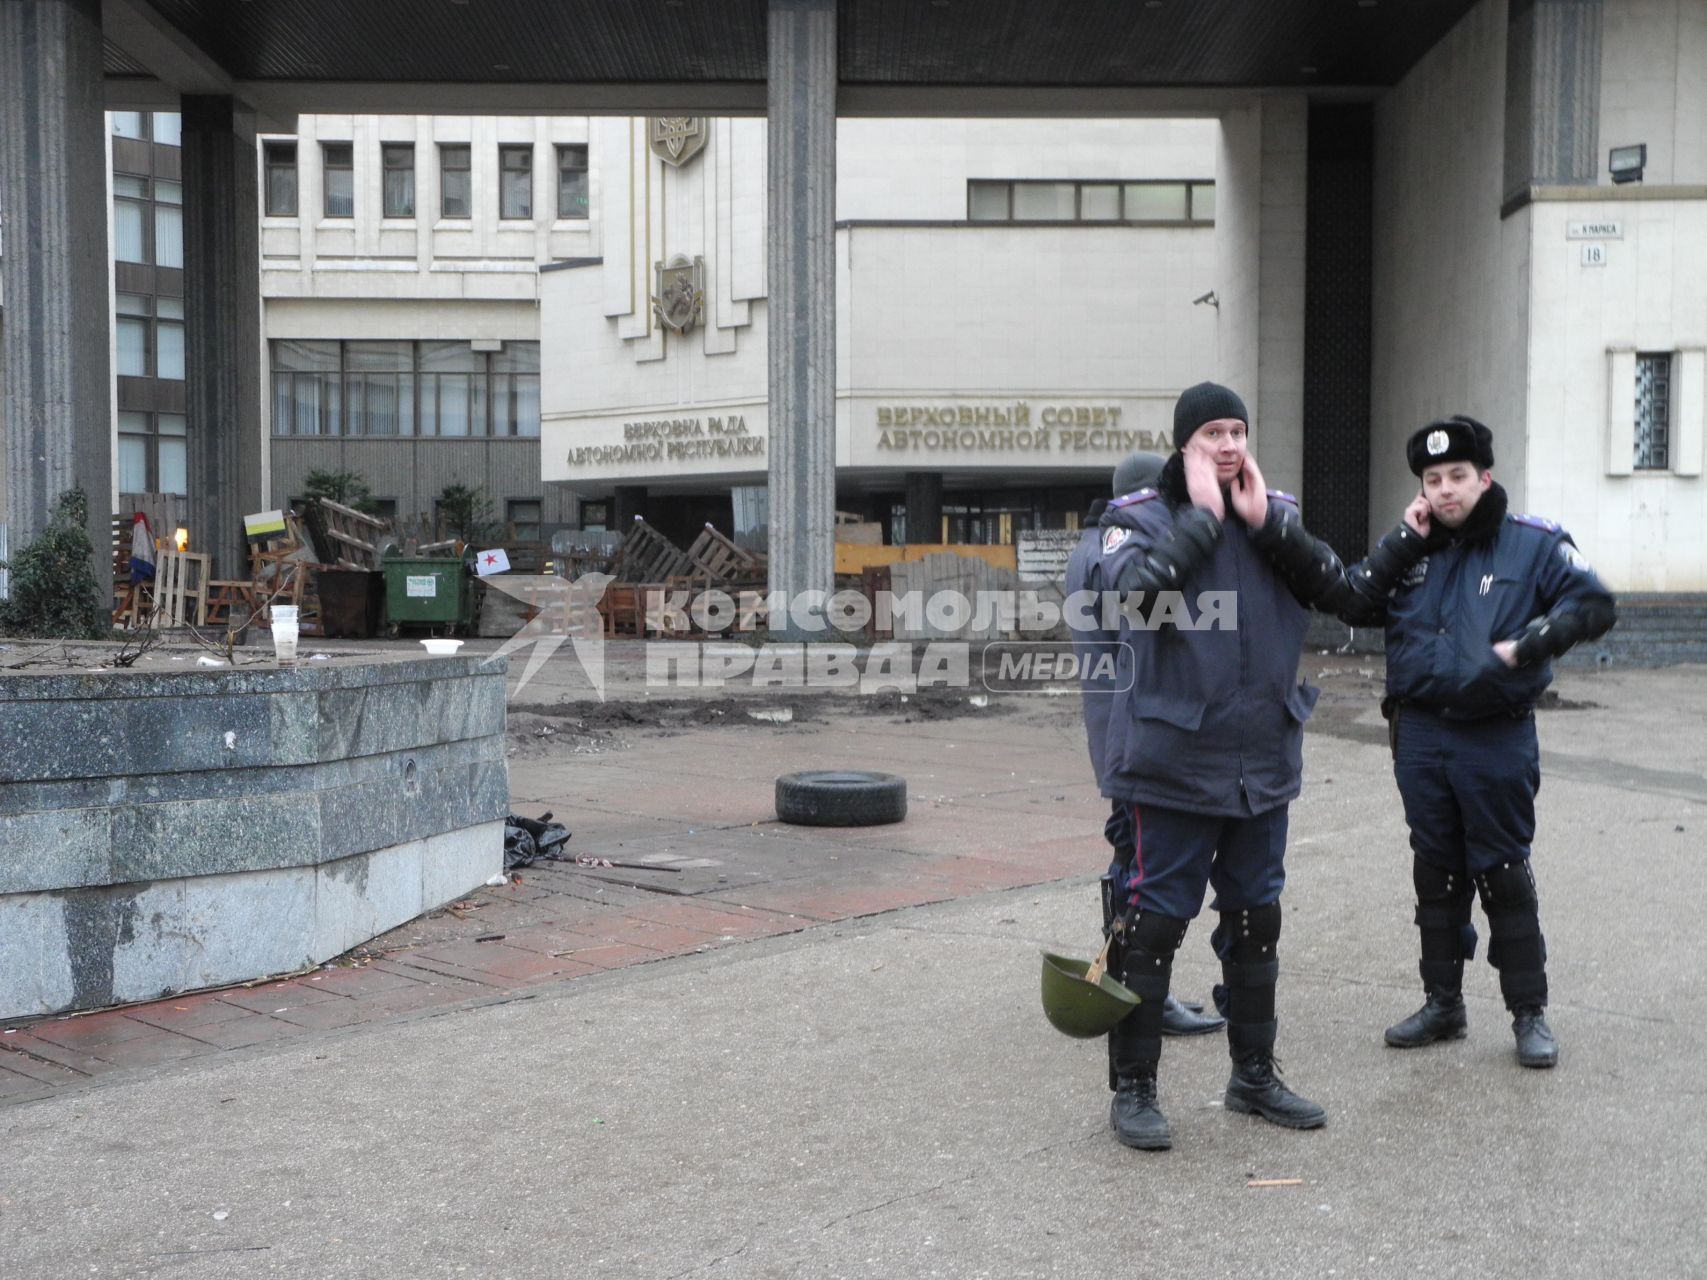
(1485, 601)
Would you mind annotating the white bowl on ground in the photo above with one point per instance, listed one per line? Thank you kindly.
(442, 648)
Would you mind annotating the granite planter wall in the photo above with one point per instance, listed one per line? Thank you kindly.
(167, 830)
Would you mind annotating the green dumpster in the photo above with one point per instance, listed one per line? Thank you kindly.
(432, 593)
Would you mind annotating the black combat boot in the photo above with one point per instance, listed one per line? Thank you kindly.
(1134, 1116)
(1182, 1019)
(1442, 1017)
(1256, 1088)
(1536, 1046)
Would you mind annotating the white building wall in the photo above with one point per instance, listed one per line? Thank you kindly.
(1653, 86)
(1451, 279)
(986, 316)
(1643, 530)
(918, 169)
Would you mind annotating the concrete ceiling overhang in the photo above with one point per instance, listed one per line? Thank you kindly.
(897, 57)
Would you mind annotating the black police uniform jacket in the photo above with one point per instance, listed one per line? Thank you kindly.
(1103, 665)
(1213, 719)
(1497, 577)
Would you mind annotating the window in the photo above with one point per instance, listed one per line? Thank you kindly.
(1156, 201)
(515, 182)
(1043, 201)
(169, 337)
(404, 388)
(523, 517)
(595, 516)
(455, 199)
(1105, 201)
(515, 390)
(153, 453)
(338, 161)
(169, 128)
(130, 218)
(988, 201)
(572, 181)
(281, 179)
(132, 336)
(1653, 411)
(398, 161)
(128, 124)
(168, 224)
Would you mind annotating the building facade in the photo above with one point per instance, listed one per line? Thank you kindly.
(399, 278)
(1015, 313)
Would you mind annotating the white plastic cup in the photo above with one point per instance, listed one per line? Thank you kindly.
(286, 613)
(284, 641)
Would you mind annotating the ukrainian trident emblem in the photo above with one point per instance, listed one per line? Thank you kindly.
(676, 139)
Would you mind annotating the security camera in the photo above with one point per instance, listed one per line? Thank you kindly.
(1210, 298)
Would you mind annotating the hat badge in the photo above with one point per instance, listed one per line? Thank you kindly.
(1436, 443)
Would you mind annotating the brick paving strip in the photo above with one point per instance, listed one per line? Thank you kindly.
(975, 824)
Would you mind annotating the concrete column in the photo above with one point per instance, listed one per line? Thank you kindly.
(801, 290)
(222, 325)
(924, 506)
(1552, 94)
(57, 405)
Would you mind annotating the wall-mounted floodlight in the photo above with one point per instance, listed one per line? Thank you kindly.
(1209, 298)
(1625, 164)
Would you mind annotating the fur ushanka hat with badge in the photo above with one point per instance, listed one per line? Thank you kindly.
(1455, 439)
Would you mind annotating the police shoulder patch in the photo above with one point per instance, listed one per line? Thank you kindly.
(1134, 498)
(1283, 496)
(1113, 538)
(1537, 522)
(1575, 559)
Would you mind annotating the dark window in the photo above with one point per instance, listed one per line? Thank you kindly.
(338, 161)
(595, 516)
(398, 161)
(1653, 411)
(455, 200)
(572, 181)
(281, 179)
(523, 517)
(515, 182)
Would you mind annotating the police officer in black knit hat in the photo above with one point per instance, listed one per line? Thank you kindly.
(1100, 673)
(1215, 633)
(1486, 599)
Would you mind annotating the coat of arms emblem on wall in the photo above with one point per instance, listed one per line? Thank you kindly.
(677, 139)
(680, 292)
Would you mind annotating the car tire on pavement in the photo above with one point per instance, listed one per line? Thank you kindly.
(841, 798)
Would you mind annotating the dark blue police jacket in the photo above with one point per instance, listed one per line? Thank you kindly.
(1094, 645)
(1213, 722)
(1479, 584)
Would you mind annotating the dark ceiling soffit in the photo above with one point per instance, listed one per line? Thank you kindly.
(570, 264)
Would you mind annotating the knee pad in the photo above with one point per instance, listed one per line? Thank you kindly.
(1150, 942)
(1507, 888)
(1443, 912)
(1250, 934)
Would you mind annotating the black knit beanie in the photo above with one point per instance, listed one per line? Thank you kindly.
(1203, 403)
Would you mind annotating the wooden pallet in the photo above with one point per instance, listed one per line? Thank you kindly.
(344, 537)
(648, 556)
(722, 561)
(180, 582)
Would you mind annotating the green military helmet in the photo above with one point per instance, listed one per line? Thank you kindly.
(1079, 997)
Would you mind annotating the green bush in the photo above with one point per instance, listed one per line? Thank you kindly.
(346, 487)
(54, 592)
(466, 513)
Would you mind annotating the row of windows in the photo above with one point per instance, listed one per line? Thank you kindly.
(148, 220)
(1026, 200)
(403, 388)
(397, 186)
